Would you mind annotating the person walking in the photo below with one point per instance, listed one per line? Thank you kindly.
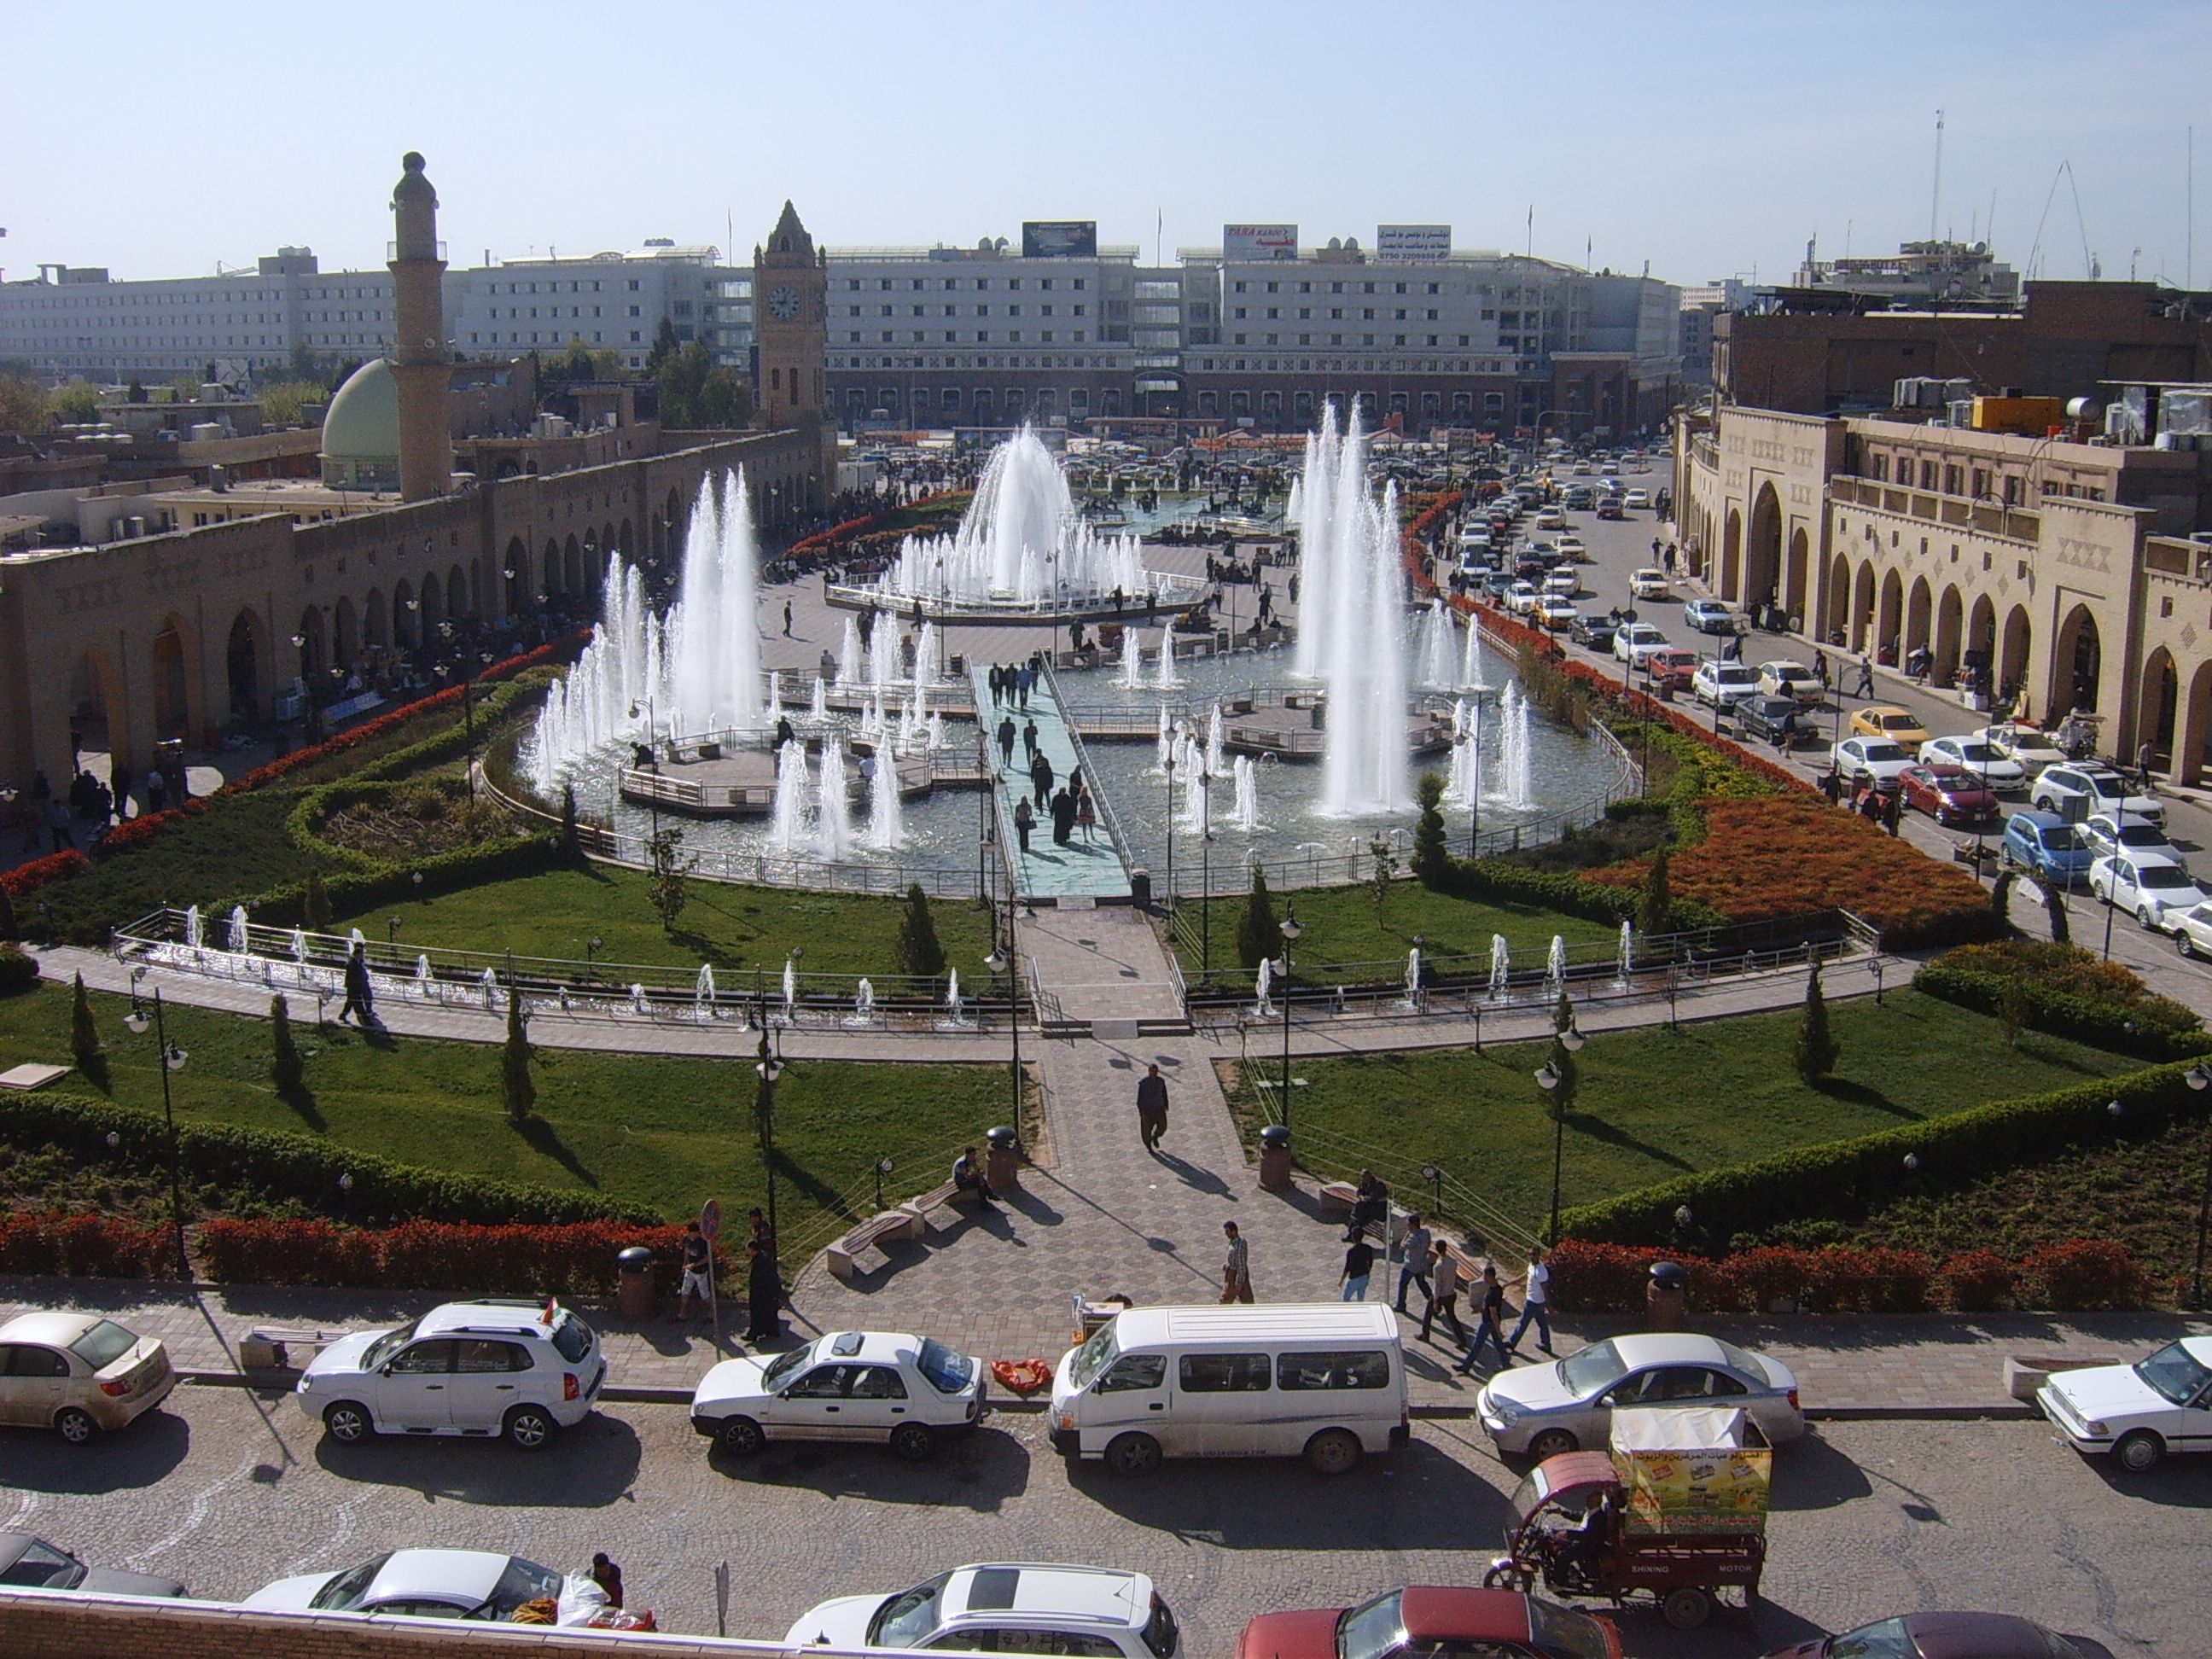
(1024, 677)
(1535, 1301)
(997, 679)
(60, 823)
(1024, 821)
(1030, 740)
(357, 988)
(763, 1295)
(2144, 755)
(1040, 778)
(1063, 817)
(1413, 1253)
(1151, 1108)
(1087, 814)
(1489, 1321)
(697, 1288)
(1892, 810)
(1006, 741)
(1358, 1268)
(1443, 1272)
(787, 619)
(1865, 687)
(1820, 666)
(1236, 1267)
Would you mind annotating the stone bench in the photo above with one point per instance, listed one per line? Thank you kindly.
(937, 1198)
(887, 1224)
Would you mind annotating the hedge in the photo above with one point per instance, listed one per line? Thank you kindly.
(281, 1164)
(1842, 1180)
(571, 1259)
(17, 971)
(64, 866)
(2153, 1027)
(85, 1245)
(442, 872)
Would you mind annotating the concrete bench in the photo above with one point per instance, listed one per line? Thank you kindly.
(937, 1198)
(887, 1224)
(1337, 1197)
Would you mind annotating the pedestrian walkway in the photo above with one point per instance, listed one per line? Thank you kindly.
(1082, 867)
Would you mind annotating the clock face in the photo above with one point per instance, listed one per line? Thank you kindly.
(783, 303)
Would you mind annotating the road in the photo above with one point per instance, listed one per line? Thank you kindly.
(1617, 548)
(227, 1489)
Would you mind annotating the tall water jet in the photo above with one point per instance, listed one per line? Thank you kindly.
(863, 1001)
(1131, 677)
(788, 823)
(1517, 755)
(1555, 967)
(773, 703)
(1165, 743)
(790, 987)
(819, 709)
(1463, 783)
(240, 943)
(1353, 585)
(1501, 968)
(833, 811)
(702, 993)
(1470, 667)
(195, 929)
(1627, 953)
(848, 651)
(1440, 650)
(925, 658)
(1261, 1005)
(1413, 974)
(425, 979)
(936, 733)
(1164, 678)
(1246, 815)
(299, 944)
(1215, 741)
(886, 832)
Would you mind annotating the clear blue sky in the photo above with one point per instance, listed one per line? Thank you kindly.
(1709, 139)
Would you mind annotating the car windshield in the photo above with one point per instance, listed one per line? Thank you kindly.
(2162, 875)
(41, 1568)
(948, 1372)
(1976, 754)
(2106, 786)
(572, 1338)
(784, 1366)
(2174, 1373)
(1732, 674)
(343, 1593)
(1371, 1630)
(2061, 838)
(907, 1618)
(1095, 1355)
(1739, 1358)
(1598, 1366)
(2137, 835)
(523, 1581)
(1887, 1640)
(387, 1344)
(1564, 1630)
(1882, 751)
(103, 1344)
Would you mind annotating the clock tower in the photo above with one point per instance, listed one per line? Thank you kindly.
(791, 322)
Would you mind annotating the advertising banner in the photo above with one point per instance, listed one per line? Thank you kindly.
(1413, 242)
(1247, 242)
(1059, 239)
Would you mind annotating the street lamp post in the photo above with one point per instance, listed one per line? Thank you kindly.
(1205, 872)
(1557, 1078)
(771, 1067)
(1290, 928)
(2199, 1078)
(1170, 763)
(173, 1059)
(1009, 963)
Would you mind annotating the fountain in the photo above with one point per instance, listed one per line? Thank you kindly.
(936, 734)
(818, 710)
(489, 982)
(1555, 968)
(702, 993)
(1261, 1008)
(924, 659)
(240, 943)
(1246, 813)
(1470, 668)
(1515, 784)
(1216, 763)
(882, 657)
(790, 987)
(952, 993)
(1413, 974)
(1501, 968)
(195, 929)
(1440, 653)
(1165, 742)
(1627, 953)
(1354, 588)
(773, 705)
(1463, 784)
(789, 817)
(638, 1004)
(1164, 678)
(425, 981)
(864, 1002)
(1131, 677)
(885, 833)
(833, 812)
(848, 651)
(299, 944)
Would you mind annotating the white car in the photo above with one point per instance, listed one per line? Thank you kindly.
(1649, 583)
(1541, 1411)
(518, 1367)
(1722, 685)
(1639, 497)
(2139, 1413)
(1709, 616)
(1870, 760)
(1804, 684)
(1570, 547)
(1563, 583)
(1521, 597)
(2034, 750)
(2192, 930)
(1977, 755)
(421, 1583)
(2106, 832)
(1003, 1607)
(2145, 885)
(2074, 789)
(881, 1387)
(1636, 641)
(1550, 519)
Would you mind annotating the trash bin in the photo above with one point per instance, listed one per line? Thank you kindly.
(1275, 1157)
(1140, 888)
(634, 1297)
(1667, 1297)
(1002, 1161)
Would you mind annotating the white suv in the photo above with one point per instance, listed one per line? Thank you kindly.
(514, 1367)
(1014, 1607)
(2079, 789)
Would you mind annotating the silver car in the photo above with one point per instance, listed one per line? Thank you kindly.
(1544, 1410)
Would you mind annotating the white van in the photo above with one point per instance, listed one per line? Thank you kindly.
(1324, 1379)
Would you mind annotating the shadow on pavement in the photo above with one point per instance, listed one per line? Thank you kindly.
(37, 1460)
(1809, 1473)
(979, 1471)
(587, 1466)
(2178, 1483)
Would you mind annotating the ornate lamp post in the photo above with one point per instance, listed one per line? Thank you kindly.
(173, 1060)
(1291, 928)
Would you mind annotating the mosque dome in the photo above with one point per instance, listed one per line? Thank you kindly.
(361, 432)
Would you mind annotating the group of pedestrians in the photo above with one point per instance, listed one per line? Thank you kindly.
(1071, 806)
(1011, 683)
(764, 1291)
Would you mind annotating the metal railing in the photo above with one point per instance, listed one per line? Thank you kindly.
(1107, 816)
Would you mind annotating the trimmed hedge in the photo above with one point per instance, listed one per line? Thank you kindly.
(85, 1245)
(572, 1260)
(1843, 1179)
(385, 884)
(17, 971)
(1500, 882)
(284, 1165)
(2153, 1027)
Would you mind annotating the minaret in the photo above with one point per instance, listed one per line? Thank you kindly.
(420, 362)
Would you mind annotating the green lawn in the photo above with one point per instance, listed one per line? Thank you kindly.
(1653, 1104)
(558, 913)
(1343, 925)
(662, 1131)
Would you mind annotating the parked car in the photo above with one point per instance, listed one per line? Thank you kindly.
(1550, 519)
(1015, 1607)
(1870, 760)
(1637, 641)
(1804, 684)
(499, 1366)
(28, 1563)
(1540, 1411)
(878, 1387)
(1670, 668)
(2034, 750)
(1763, 717)
(2000, 772)
(1521, 597)
(1562, 583)
(1570, 547)
(1555, 611)
(1651, 583)
(2076, 789)
(1610, 507)
(1949, 794)
(2192, 930)
(1881, 719)
(1949, 1636)
(1638, 499)
(1719, 683)
(78, 1374)
(421, 1583)
(2137, 1413)
(2106, 832)
(1424, 1622)
(1548, 551)
(2145, 885)
(2046, 844)
(1595, 632)
(1710, 617)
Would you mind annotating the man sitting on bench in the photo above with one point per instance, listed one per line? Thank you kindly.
(1370, 1205)
(968, 1177)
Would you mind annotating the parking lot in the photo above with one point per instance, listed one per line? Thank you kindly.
(227, 1489)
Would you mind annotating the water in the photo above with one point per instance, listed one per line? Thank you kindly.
(885, 833)
(1245, 815)
(1131, 677)
(1516, 783)
(848, 651)
(1627, 952)
(1353, 587)
(833, 811)
(788, 821)
(1164, 678)
(818, 710)
(1501, 968)
(195, 929)
(240, 941)
(1264, 983)
(1555, 967)
(702, 993)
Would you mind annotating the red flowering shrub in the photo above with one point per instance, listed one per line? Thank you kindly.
(1594, 1278)
(287, 1252)
(130, 831)
(2084, 1273)
(570, 1260)
(64, 866)
(1976, 1281)
(84, 1246)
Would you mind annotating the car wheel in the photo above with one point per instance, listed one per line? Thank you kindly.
(1685, 1607)
(347, 1423)
(2182, 944)
(529, 1428)
(741, 1437)
(74, 1425)
(1133, 1454)
(914, 1441)
(2149, 918)
(2140, 1452)
(1332, 1451)
(1551, 1442)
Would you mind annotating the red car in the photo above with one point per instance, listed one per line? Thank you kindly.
(1949, 794)
(1426, 1620)
(1949, 1636)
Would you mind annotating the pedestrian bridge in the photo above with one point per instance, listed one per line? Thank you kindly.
(1097, 869)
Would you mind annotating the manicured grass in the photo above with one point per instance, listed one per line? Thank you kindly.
(559, 912)
(1654, 1104)
(665, 1132)
(1342, 924)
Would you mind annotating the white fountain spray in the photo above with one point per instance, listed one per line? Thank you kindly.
(819, 709)
(833, 812)
(1352, 581)
(1164, 678)
(1261, 1005)
(848, 651)
(788, 823)
(702, 993)
(1246, 815)
(1627, 952)
(1555, 967)
(241, 942)
(1501, 968)
(1131, 677)
(886, 832)
(1165, 743)
(1470, 668)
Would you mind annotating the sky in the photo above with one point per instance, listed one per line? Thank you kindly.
(1710, 140)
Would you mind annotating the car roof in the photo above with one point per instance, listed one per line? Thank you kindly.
(1667, 1348)
(2037, 820)
(1279, 1321)
(442, 1574)
(1883, 710)
(55, 1330)
(1437, 1612)
(1106, 1594)
(14, 1544)
(1976, 1636)
(520, 1317)
(882, 1347)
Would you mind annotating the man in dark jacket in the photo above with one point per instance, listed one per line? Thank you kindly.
(1151, 1108)
(764, 1294)
(357, 988)
(1041, 775)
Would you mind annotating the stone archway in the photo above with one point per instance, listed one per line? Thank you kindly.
(2012, 656)
(1863, 609)
(2192, 751)
(406, 616)
(459, 602)
(248, 664)
(1889, 620)
(99, 714)
(2078, 664)
(673, 516)
(345, 636)
(1762, 553)
(518, 578)
(1981, 646)
(374, 633)
(1919, 612)
(312, 641)
(1796, 594)
(626, 543)
(2157, 708)
(1950, 611)
(572, 567)
(177, 712)
(1836, 601)
(434, 603)
(1732, 557)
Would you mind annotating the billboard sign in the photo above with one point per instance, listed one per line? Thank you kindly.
(1248, 242)
(1413, 242)
(1059, 239)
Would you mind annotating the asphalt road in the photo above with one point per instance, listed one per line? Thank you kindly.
(227, 1489)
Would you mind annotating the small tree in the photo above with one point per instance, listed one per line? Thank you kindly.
(1431, 862)
(917, 951)
(516, 1084)
(1655, 914)
(669, 889)
(7, 915)
(569, 819)
(84, 1035)
(317, 904)
(1259, 936)
(286, 1069)
(1817, 1050)
(1382, 865)
(2013, 1009)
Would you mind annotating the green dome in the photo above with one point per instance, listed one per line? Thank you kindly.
(363, 421)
